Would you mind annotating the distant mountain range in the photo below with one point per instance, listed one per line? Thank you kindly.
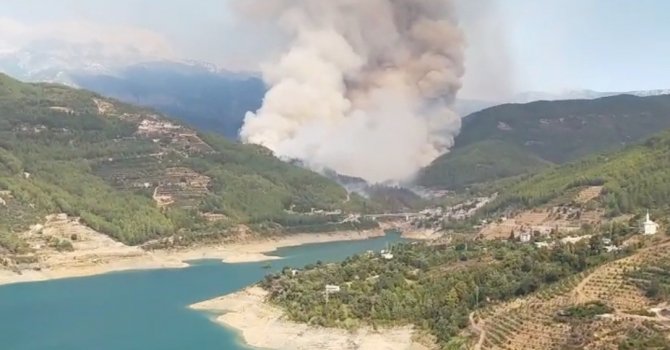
(206, 98)
(202, 94)
(582, 95)
(466, 107)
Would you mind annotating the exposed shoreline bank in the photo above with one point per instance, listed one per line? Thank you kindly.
(260, 324)
(109, 256)
(263, 326)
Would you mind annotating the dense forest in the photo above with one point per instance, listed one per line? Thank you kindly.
(434, 287)
(480, 162)
(71, 151)
(517, 139)
(634, 179)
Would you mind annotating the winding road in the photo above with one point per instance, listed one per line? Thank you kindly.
(482, 333)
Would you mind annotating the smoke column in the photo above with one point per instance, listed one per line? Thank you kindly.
(363, 87)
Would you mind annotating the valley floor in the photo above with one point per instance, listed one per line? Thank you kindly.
(95, 253)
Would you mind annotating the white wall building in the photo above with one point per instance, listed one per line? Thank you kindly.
(649, 227)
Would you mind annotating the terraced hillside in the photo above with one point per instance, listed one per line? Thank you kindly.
(516, 139)
(574, 211)
(603, 308)
(136, 175)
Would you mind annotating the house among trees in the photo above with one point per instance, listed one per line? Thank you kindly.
(387, 255)
(649, 227)
(525, 237)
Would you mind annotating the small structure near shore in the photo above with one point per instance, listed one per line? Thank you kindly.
(386, 254)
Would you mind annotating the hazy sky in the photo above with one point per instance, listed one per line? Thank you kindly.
(514, 45)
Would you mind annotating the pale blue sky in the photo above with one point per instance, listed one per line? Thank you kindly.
(606, 45)
(515, 45)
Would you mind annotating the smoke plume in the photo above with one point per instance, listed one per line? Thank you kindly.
(364, 87)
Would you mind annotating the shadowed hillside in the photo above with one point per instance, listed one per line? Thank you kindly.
(214, 101)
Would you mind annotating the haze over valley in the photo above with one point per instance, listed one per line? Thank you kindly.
(301, 174)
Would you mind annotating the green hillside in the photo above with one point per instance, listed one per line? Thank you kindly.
(480, 162)
(634, 179)
(520, 137)
(137, 176)
(432, 287)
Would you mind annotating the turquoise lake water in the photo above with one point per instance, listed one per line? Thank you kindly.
(143, 310)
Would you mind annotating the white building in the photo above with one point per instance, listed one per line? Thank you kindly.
(525, 237)
(386, 254)
(332, 288)
(649, 227)
(612, 248)
(543, 244)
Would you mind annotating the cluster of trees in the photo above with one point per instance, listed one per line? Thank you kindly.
(582, 312)
(646, 336)
(12, 244)
(432, 287)
(330, 226)
(653, 279)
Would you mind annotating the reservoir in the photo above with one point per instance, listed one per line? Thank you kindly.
(145, 310)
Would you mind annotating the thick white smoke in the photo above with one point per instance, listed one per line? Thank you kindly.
(364, 86)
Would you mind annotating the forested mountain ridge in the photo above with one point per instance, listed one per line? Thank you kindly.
(633, 179)
(538, 134)
(136, 175)
(197, 95)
